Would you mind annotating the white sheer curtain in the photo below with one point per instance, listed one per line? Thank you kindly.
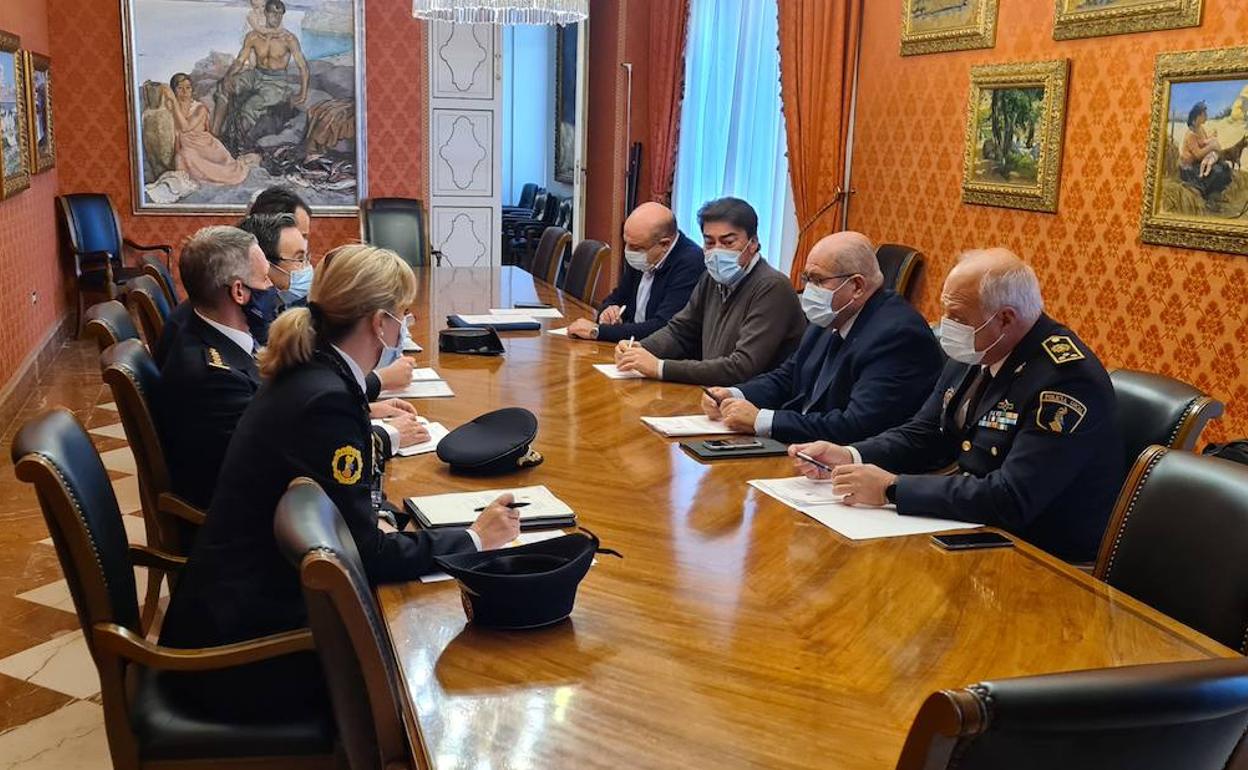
(732, 139)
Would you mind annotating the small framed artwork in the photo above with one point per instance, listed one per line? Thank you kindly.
(933, 26)
(1195, 187)
(14, 151)
(1015, 119)
(39, 112)
(1094, 18)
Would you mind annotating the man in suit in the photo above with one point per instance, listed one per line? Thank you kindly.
(866, 363)
(663, 267)
(1024, 409)
(286, 249)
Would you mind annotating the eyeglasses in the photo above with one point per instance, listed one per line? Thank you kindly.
(301, 262)
(820, 280)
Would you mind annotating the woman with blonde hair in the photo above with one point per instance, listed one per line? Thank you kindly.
(310, 418)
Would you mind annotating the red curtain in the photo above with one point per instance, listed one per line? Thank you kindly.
(819, 42)
(669, 28)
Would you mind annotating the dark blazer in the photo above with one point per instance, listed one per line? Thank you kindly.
(309, 421)
(1040, 455)
(843, 390)
(673, 283)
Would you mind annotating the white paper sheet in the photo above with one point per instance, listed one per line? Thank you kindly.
(421, 389)
(425, 375)
(797, 491)
(560, 332)
(495, 320)
(614, 373)
(524, 539)
(412, 346)
(687, 425)
(863, 523)
(453, 508)
(437, 432)
(528, 312)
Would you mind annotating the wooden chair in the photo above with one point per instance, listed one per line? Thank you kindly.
(1156, 409)
(147, 301)
(148, 716)
(1177, 538)
(161, 273)
(554, 242)
(900, 266)
(350, 634)
(398, 224)
(1157, 717)
(109, 323)
(169, 520)
(589, 260)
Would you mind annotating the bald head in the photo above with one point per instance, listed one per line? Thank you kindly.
(650, 228)
(845, 265)
(994, 291)
(847, 253)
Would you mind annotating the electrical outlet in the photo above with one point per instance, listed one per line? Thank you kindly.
(34, 298)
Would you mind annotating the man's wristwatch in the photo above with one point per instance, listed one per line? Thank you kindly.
(593, 333)
(890, 493)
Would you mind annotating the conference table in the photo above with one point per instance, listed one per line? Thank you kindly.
(735, 632)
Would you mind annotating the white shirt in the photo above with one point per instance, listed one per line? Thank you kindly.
(647, 281)
(241, 338)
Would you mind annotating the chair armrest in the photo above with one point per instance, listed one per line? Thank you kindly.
(154, 247)
(142, 556)
(175, 506)
(124, 643)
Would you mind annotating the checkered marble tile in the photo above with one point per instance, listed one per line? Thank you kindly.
(70, 738)
(63, 664)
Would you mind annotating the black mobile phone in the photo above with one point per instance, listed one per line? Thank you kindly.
(972, 540)
(532, 305)
(722, 444)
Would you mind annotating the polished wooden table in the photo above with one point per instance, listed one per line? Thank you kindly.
(736, 632)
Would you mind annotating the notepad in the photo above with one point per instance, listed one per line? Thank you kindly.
(560, 332)
(612, 371)
(527, 312)
(437, 432)
(687, 425)
(421, 389)
(525, 539)
(459, 509)
(493, 319)
(425, 375)
(797, 491)
(412, 346)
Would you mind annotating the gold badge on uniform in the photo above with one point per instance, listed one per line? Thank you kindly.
(1062, 349)
(347, 465)
(214, 359)
(1059, 413)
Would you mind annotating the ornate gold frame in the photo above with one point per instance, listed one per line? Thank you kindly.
(981, 34)
(1159, 14)
(1052, 76)
(39, 162)
(12, 185)
(1178, 230)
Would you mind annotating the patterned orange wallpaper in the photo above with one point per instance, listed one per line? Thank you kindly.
(1180, 312)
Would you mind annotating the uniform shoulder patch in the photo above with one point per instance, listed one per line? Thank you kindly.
(213, 357)
(347, 465)
(1062, 349)
(1059, 413)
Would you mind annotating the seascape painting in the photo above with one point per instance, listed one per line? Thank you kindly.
(229, 97)
(934, 26)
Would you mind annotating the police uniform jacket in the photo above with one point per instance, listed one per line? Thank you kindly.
(311, 420)
(1039, 456)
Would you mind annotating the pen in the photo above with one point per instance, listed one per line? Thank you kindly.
(814, 462)
(509, 505)
(708, 392)
(630, 342)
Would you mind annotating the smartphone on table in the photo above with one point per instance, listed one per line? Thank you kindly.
(970, 541)
(726, 444)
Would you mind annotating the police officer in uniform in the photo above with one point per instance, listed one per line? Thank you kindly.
(309, 419)
(1023, 409)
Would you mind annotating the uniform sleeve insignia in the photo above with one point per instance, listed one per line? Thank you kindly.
(347, 465)
(213, 357)
(1059, 413)
(947, 398)
(1062, 349)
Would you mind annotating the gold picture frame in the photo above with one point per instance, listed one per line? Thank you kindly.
(1120, 17)
(14, 139)
(1021, 106)
(1195, 191)
(42, 135)
(935, 26)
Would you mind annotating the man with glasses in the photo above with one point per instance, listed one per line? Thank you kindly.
(865, 364)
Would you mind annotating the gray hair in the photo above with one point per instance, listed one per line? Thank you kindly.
(213, 258)
(1015, 287)
(855, 255)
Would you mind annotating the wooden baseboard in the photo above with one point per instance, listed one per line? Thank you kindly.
(32, 370)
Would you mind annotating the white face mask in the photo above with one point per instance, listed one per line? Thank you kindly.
(817, 303)
(958, 340)
(636, 260)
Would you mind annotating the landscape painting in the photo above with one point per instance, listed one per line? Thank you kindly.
(229, 97)
(1094, 18)
(1015, 119)
(39, 112)
(14, 171)
(1199, 135)
(932, 26)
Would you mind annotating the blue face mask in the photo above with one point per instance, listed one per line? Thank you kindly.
(391, 353)
(724, 266)
(300, 284)
(260, 310)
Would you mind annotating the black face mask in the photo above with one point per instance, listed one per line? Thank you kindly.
(260, 310)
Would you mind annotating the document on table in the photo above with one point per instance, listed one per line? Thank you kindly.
(437, 432)
(528, 312)
(687, 425)
(797, 490)
(412, 346)
(524, 539)
(459, 509)
(421, 389)
(613, 372)
(562, 331)
(425, 375)
(493, 319)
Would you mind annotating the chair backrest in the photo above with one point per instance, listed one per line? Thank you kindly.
(91, 223)
(350, 636)
(109, 323)
(539, 202)
(159, 271)
(1156, 409)
(55, 454)
(900, 266)
(1163, 716)
(148, 302)
(564, 217)
(550, 248)
(397, 224)
(588, 260)
(527, 193)
(1176, 541)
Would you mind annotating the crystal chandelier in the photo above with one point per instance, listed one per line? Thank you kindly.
(502, 11)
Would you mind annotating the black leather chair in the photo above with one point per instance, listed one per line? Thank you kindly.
(1157, 717)
(900, 265)
(1177, 538)
(524, 246)
(351, 638)
(1156, 409)
(398, 224)
(163, 276)
(589, 260)
(525, 204)
(150, 720)
(96, 245)
(545, 208)
(147, 301)
(109, 323)
(554, 242)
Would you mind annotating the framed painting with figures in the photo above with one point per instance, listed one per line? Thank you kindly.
(565, 102)
(232, 96)
(39, 112)
(1196, 189)
(1094, 18)
(932, 26)
(14, 140)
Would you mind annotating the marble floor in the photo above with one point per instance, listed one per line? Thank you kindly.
(50, 713)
